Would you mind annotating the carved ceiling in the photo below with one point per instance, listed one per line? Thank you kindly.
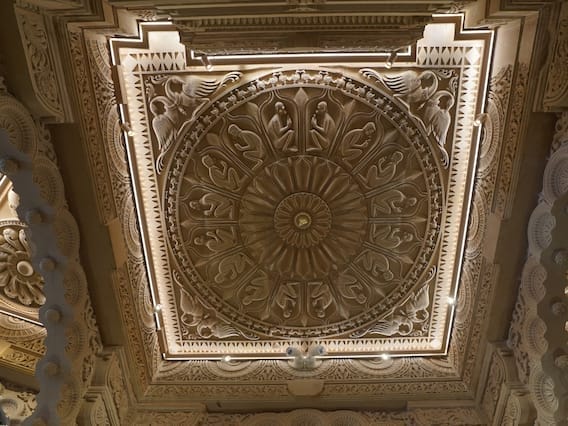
(290, 206)
(305, 204)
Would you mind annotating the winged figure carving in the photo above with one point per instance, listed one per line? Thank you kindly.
(412, 87)
(437, 115)
(419, 90)
(164, 124)
(414, 310)
(184, 97)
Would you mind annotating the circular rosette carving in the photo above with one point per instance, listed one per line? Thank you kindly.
(305, 206)
(302, 217)
(18, 280)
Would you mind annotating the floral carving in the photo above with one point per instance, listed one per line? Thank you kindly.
(40, 64)
(18, 280)
(303, 207)
(306, 217)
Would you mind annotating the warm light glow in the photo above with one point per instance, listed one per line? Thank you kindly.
(227, 358)
(391, 59)
(385, 357)
(480, 119)
(206, 62)
(451, 300)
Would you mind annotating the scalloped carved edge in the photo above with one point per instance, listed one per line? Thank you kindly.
(37, 179)
(537, 336)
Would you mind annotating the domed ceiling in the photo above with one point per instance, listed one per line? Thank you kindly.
(301, 204)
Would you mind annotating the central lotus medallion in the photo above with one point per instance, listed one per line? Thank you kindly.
(315, 208)
(304, 206)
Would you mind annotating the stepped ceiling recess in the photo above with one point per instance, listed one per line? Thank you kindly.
(284, 212)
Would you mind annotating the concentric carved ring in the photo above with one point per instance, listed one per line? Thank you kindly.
(304, 206)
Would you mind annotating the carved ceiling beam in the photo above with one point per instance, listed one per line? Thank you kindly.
(301, 26)
(312, 33)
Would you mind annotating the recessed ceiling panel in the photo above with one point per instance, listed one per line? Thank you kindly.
(319, 201)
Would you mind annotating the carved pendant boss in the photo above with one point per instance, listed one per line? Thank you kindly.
(313, 204)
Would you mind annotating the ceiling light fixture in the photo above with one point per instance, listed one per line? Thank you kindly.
(391, 59)
(157, 308)
(480, 119)
(126, 127)
(227, 358)
(385, 357)
(206, 62)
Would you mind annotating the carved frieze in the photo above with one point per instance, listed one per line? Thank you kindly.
(556, 91)
(41, 63)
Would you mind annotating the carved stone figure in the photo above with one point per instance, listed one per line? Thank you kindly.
(323, 128)
(191, 92)
(248, 144)
(220, 173)
(355, 142)
(384, 170)
(437, 115)
(391, 237)
(216, 241)
(211, 205)
(394, 202)
(280, 129)
(412, 87)
(166, 119)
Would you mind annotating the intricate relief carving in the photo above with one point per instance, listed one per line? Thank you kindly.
(91, 131)
(42, 177)
(412, 313)
(40, 64)
(175, 100)
(202, 204)
(18, 280)
(421, 94)
(535, 340)
(508, 168)
(556, 92)
(305, 204)
(16, 403)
